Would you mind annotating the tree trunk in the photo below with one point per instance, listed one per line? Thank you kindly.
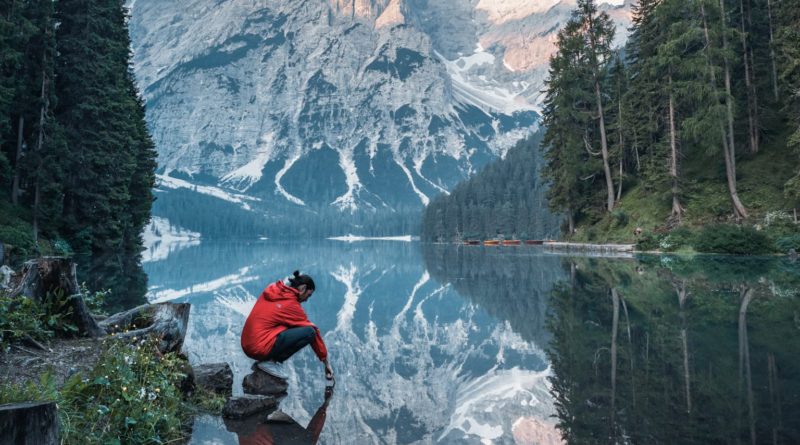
(15, 191)
(728, 93)
(621, 144)
(31, 423)
(599, 101)
(730, 169)
(56, 276)
(677, 208)
(774, 397)
(167, 321)
(751, 105)
(570, 222)
(683, 295)
(614, 329)
(39, 144)
(604, 146)
(772, 52)
(746, 295)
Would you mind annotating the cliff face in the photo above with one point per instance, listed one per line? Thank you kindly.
(351, 105)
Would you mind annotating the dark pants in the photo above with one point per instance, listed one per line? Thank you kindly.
(291, 341)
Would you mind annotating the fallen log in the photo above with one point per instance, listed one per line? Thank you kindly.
(31, 423)
(55, 278)
(167, 321)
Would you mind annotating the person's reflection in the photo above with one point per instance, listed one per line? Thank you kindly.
(286, 430)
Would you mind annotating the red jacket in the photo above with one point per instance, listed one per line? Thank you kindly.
(276, 310)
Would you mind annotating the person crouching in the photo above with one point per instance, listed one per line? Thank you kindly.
(278, 327)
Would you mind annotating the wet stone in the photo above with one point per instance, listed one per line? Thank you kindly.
(214, 377)
(261, 383)
(248, 405)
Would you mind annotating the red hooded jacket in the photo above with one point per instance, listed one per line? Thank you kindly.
(276, 310)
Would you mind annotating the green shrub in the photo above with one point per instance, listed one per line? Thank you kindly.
(680, 237)
(620, 217)
(732, 239)
(131, 396)
(786, 243)
(20, 240)
(21, 317)
(648, 241)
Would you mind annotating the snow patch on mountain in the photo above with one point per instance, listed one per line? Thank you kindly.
(161, 239)
(485, 97)
(167, 182)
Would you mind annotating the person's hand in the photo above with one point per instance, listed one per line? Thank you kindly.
(328, 371)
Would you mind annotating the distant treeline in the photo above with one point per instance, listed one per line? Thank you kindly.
(699, 85)
(506, 199)
(217, 219)
(76, 160)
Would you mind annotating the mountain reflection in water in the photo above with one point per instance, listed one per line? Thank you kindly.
(463, 344)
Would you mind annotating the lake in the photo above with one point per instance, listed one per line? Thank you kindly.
(506, 345)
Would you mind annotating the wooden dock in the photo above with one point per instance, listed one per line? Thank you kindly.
(587, 247)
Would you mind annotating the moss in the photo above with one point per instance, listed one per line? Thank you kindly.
(761, 181)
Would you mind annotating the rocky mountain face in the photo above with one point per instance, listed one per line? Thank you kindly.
(338, 108)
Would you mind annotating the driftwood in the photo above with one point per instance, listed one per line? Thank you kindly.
(167, 321)
(29, 423)
(56, 277)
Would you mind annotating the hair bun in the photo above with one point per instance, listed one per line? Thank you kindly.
(296, 274)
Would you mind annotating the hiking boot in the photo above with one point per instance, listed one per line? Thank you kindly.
(273, 368)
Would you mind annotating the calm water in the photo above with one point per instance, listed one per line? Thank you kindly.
(457, 344)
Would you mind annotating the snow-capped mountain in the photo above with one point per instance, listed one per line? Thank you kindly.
(345, 105)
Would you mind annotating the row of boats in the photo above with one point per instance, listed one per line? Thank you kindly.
(508, 242)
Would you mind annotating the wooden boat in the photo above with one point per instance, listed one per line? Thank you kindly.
(511, 242)
(491, 242)
(534, 242)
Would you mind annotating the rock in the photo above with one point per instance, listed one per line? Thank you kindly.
(167, 321)
(57, 276)
(261, 383)
(247, 405)
(5, 276)
(32, 423)
(279, 416)
(215, 377)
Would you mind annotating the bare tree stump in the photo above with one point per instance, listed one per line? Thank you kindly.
(56, 276)
(32, 423)
(167, 321)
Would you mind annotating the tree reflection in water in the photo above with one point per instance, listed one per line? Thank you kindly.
(718, 364)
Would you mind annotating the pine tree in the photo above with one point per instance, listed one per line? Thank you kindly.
(107, 196)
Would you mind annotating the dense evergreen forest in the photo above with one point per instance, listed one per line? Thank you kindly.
(76, 160)
(506, 199)
(694, 122)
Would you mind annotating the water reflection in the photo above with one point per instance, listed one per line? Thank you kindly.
(669, 350)
(455, 344)
(280, 428)
(415, 360)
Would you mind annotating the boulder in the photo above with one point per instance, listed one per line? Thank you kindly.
(214, 377)
(260, 383)
(5, 276)
(167, 321)
(32, 423)
(248, 405)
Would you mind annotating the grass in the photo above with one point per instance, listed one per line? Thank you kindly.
(760, 184)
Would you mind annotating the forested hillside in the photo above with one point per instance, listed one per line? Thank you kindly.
(693, 124)
(506, 199)
(76, 160)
